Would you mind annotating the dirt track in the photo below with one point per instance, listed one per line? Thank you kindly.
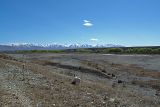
(107, 80)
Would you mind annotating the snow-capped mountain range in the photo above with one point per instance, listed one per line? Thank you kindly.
(12, 47)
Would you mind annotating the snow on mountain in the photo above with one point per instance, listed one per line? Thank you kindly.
(25, 46)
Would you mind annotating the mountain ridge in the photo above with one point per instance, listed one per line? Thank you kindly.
(13, 47)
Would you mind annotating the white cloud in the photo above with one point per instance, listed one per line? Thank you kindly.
(94, 39)
(87, 23)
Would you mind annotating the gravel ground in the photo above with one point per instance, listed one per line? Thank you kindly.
(44, 80)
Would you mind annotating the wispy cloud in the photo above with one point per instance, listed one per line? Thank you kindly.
(94, 39)
(87, 23)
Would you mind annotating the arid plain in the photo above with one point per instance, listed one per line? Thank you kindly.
(107, 80)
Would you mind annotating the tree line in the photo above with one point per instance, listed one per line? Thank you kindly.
(122, 50)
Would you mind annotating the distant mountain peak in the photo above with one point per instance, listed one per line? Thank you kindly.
(28, 46)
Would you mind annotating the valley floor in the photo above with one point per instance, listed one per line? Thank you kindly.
(44, 80)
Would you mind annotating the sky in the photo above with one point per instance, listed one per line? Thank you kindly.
(123, 22)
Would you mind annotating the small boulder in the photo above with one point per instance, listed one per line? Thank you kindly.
(157, 93)
(120, 81)
(108, 74)
(113, 75)
(104, 71)
(113, 85)
(112, 100)
(79, 67)
(76, 81)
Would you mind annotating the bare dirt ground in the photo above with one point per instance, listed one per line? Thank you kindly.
(44, 80)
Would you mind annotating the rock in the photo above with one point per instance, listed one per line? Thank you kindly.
(89, 93)
(112, 100)
(113, 85)
(105, 97)
(108, 74)
(13, 94)
(157, 93)
(79, 68)
(133, 82)
(120, 81)
(76, 81)
(16, 97)
(104, 71)
(104, 102)
(77, 105)
(113, 75)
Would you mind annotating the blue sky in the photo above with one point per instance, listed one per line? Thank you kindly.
(124, 22)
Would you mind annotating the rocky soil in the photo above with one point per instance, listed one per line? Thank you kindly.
(44, 80)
